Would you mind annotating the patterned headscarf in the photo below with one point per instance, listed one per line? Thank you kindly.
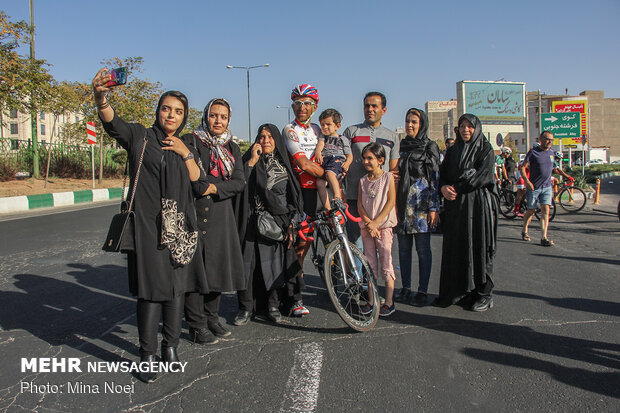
(222, 161)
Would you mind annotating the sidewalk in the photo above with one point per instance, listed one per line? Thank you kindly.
(28, 202)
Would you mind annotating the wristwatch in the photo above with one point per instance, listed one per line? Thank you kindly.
(188, 157)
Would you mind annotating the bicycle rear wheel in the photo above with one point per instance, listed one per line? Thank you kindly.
(507, 204)
(349, 298)
(551, 211)
(572, 199)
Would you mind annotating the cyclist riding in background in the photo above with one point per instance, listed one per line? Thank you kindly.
(557, 157)
(499, 166)
(520, 185)
(509, 168)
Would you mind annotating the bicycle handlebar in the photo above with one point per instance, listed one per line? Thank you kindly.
(350, 216)
(307, 226)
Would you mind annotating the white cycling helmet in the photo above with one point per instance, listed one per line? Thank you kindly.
(506, 149)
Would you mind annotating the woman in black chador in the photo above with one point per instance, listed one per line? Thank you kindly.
(166, 232)
(467, 183)
(219, 246)
(268, 264)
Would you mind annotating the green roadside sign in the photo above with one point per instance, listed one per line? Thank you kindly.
(563, 124)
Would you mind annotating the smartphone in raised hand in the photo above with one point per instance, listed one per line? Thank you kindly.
(119, 77)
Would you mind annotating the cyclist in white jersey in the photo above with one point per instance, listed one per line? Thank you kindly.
(301, 137)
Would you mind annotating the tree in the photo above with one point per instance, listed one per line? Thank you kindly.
(194, 119)
(508, 142)
(25, 84)
(135, 101)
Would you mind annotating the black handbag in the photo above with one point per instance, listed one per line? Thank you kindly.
(121, 234)
(268, 228)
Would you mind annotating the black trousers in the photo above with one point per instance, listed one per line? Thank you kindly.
(202, 310)
(149, 313)
(255, 298)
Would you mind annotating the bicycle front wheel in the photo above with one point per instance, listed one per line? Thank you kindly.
(348, 295)
(572, 199)
(507, 204)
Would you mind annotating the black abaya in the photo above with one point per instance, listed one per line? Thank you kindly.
(277, 262)
(470, 221)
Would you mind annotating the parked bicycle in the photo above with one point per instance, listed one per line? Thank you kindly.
(348, 285)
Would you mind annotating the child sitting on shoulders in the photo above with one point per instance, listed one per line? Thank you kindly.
(333, 152)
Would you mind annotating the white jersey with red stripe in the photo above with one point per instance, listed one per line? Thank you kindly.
(301, 141)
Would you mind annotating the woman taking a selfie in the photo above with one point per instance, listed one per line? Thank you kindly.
(219, 246)
(166, 232)
(273, 188)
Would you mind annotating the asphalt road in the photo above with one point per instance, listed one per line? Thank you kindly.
(551, 343)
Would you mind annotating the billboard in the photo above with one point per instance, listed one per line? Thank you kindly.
(440, 105)
(499, 103)
(581, 106)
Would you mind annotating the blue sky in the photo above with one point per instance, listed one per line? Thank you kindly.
(412, 51)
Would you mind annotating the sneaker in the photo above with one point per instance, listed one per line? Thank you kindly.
(483, 303)
(202, 336)
(386, 311)
(403, 296)
(274, 315)
(242, 318)
(419, 300)
(366, 309)
(298, 309)
(219, 330)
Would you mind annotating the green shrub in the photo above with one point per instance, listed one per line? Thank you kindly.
(7, 171)
(120, 157)
(244, 146)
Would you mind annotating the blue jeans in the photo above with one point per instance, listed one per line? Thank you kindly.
(425, 258)
(540, 196)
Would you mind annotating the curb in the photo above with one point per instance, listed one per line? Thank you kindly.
(608, 174)
(29, 202)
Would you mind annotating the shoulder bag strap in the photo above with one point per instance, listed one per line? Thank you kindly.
(135, 182)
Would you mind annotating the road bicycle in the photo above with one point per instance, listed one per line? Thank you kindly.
(507, 199)
(571, 198)
(348, 278)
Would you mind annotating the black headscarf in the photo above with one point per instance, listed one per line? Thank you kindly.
(161, 135)
(419, 158)
(257, 183)
(416, 143)
(471, 149)
(260, 169)
(179, 231)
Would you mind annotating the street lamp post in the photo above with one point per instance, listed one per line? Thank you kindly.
(287, 108)
(247, 69)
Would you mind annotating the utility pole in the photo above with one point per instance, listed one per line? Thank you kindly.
(33, 113)
(101, 158)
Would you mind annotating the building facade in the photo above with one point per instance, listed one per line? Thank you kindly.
(438, 118)
(602, 123)
(16, 126)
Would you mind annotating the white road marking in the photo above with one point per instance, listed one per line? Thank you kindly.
(302, 387)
